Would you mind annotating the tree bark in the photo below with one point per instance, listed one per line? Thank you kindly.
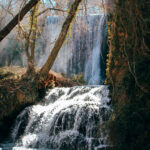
(31, 40)
(7, 29)
(72, 12)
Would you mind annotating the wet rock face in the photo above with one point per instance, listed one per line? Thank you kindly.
(77, 142)
(22, 119)
(15, 95)
(69, 119)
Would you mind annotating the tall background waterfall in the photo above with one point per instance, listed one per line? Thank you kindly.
(84, 50)
(67, 119)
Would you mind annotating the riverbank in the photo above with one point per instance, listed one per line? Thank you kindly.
(17, 91)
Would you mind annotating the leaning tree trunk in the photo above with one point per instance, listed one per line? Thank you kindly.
(72, 12)
(23, 92)
(7, 29)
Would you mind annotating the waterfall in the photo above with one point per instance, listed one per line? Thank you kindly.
(67, 119)
(95, 77)
(82, 51)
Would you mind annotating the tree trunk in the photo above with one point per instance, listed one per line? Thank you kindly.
(128, 72)
(31, 41)
(72, 12)
(7, 29)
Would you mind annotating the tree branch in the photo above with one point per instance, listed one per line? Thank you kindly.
(72, 12)
(7, 29)
(50, 9)
(7, 10)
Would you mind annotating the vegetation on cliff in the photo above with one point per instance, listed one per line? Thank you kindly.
(128, 72)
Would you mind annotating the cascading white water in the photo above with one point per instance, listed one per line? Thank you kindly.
(67, 119)
(82, 51)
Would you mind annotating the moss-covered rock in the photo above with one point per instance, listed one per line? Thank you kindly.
(15, 94)
(128, 72)
(19, 89)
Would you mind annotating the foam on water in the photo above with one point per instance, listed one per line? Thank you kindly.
(67, 119)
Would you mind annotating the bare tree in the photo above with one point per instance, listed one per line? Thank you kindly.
(31, 39)
(7, 29)
(72, 12)
(31, 36)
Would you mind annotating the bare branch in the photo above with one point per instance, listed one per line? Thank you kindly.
(50, 9)
(7, 29)
(7, 10)
(62, 36)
